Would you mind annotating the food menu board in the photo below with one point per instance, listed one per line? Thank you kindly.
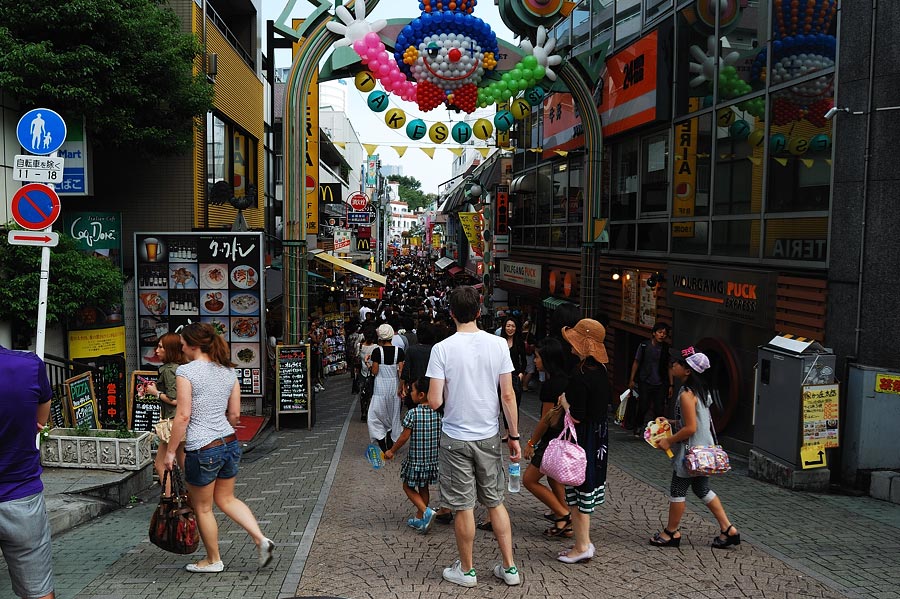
(82, 403)
(291, 380)
(144, 410)
(215, 278)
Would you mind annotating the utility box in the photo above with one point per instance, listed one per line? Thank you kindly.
(795, 413)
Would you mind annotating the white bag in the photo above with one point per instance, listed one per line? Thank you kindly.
(623, 405)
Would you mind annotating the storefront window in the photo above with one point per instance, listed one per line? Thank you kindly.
(557, 237)
(691, 149)
(559, 209)
(654, 8)
(653, 237)
(739, 151)
(576, 192)
(581, 26)
(621, 237)
(693, 90)
(216, 149)
(797, 239)
(690, 237)
(741, 55)
(628, 21)
(738, 238)
(574, 241)
(624, 179)
(231, 160)
(655, 174)
(528, 207)
(602, 21)
(542, 237)
(545, 193)
(800, 147)
(802, 40)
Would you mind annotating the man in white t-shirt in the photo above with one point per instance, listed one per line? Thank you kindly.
(363, 310)
(465, 370)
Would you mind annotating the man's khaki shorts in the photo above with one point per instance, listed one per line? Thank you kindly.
(471, 470)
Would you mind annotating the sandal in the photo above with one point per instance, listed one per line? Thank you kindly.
(565, 532)
(720, 543)
(672, 541)
(484, 525)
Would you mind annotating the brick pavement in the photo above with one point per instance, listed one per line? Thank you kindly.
(340, 530)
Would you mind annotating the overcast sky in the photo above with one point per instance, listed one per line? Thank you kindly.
(370, 126)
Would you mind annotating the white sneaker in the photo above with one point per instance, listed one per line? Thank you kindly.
(455, 575)
(265, 550)
(210, 568)
(508, 575)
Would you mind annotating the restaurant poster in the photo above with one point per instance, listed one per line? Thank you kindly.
(648, 301)
(96, 334)
(213, 278)
(630, 297)
(821, 409)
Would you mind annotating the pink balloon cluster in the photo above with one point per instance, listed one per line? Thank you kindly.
(374, 55)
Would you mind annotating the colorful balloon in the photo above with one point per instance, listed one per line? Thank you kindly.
(395, 118)
(377, 101)
(503, 120)
(740, 129)
(798, 145)
(535, 95)
(483, 129)
(756, 137)
(416, 129)
(364, 81)
(820, 143)
(461, 133)
(438, 133)
(777, 143)
(520, 108)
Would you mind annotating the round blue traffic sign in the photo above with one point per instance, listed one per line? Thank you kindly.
(41, 131)
(35, 206)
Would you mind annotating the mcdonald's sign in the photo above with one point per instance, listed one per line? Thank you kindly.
(363, 245)
(329, 193)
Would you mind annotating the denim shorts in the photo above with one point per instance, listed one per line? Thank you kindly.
(25, 543)
(203, 466)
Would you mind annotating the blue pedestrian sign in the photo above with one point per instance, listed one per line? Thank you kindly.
(41, 131)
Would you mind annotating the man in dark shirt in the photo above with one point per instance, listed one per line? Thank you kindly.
(650, 371)
(24, 526)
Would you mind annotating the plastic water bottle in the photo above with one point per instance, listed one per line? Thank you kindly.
(515, 478)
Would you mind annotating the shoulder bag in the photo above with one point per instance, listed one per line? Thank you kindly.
(707, 460)
(564, 460)
(173, 526)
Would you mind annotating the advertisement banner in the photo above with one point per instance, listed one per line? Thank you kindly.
(342, 240)
(471, 224)
(746, 296)
(563, 129)
(887, 383)
(183, 278)
(521, 273)
(685, 176)
(628, 87)
(74, 151)
(630, 296)
(648, 302)
(372, 170)
(87, 344)
(821, 409)
(312, 156)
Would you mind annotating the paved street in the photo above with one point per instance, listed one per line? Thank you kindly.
(340, 527)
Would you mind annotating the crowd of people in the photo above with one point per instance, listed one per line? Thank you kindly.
(423, 348)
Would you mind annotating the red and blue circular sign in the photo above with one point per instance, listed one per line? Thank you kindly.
(35, 206)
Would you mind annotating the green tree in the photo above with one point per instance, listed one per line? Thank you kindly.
(411, 192)
(123, 65)
(76, 279)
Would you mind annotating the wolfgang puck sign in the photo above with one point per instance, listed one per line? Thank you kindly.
(733, 294)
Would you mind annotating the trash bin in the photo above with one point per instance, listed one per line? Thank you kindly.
(795, 414)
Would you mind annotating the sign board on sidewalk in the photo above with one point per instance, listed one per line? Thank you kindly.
(39, 169)
(144, 410)
(41, 131)
(371, 292)
(82, 403)
(40, 238)
(35, 206)
(292, 392)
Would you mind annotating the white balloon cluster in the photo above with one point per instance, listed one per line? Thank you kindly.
(448, 60)
(791, 67)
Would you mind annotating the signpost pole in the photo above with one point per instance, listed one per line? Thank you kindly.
(42, 301)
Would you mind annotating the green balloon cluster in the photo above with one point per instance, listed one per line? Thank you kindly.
(731, 86)
(523, 76)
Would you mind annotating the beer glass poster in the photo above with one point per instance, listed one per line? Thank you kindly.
(201, 277)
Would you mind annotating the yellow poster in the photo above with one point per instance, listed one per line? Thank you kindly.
(887, 383)
(310, 193)
(436, 241)
(96, 342)
(821, 405)
(471, 224)
(630, 296)
(813, 457)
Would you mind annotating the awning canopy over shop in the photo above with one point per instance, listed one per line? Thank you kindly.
(359, 270)
(443, 263)
(552, 303)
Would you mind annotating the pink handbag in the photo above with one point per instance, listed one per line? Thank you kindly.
(564, 460)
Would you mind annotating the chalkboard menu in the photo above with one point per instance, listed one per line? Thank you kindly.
(203, 277)
(291, 381)
(82, 403)
(144, 410)
(57, 413)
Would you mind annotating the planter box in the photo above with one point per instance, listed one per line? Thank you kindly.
(102, 450)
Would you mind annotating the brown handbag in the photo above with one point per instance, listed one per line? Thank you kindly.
(173, 525)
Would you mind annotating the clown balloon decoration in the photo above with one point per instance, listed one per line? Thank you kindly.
(442, 56)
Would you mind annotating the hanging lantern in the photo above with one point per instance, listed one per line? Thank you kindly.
(483, 129)
(461, 133)
(438, 133)
(395, 118)
(364, 81)
(520, 108)
(503, 120)
(377, 101)
(416, 129)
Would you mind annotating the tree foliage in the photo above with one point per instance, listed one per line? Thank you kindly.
(76, 279)
(123, 65)
(411, 192)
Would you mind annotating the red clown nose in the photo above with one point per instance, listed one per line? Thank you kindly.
(454, 55)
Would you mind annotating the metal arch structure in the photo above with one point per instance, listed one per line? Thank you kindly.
(315, 40)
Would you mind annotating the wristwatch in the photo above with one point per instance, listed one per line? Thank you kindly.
(512, 438)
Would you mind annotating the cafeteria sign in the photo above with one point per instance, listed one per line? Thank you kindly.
(95, 230)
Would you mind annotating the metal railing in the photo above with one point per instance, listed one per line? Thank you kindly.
(232, 39)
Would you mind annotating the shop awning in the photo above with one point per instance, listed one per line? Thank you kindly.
(552, 303)
(359, 270)
(443, 263)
